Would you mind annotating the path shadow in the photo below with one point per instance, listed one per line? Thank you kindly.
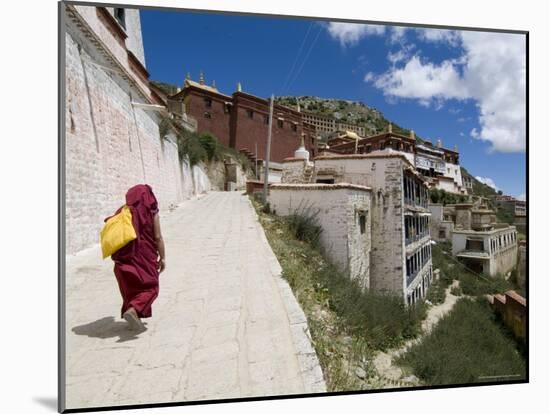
(107, 327)
(48, 402)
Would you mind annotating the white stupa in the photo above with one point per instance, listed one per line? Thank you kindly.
(302, 152)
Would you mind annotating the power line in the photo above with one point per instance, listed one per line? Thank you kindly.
(306, 58)
(297, 56)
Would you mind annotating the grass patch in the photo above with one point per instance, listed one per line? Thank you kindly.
(471, 284)
(467, 346)
(436, 293)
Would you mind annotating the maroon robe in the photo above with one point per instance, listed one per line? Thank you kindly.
(136, 264)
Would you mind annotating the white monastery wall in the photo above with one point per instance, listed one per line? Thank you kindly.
(338, 208)
(111, 146)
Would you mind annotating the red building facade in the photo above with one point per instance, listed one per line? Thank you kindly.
(241, 121)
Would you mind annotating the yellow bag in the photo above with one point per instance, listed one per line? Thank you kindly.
(117, 232)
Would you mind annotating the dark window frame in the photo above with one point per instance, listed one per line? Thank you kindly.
(362, 222)
(120, 16)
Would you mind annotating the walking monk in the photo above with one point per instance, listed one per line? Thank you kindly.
(138, 264)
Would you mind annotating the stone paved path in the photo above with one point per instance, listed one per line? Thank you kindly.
(225, 325)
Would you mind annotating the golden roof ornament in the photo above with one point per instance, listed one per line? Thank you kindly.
(201, 78)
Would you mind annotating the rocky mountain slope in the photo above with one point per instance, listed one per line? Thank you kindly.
(343, 111)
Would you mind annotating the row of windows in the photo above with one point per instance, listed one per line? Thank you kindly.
(503, 240)
(417, 261)
(249, 114)
(415, 193)
(421, 289)
(416, 227)
(395, 145)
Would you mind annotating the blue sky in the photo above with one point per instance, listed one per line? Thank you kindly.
(466, 88)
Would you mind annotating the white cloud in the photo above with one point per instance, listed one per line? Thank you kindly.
(488, 181)
(369, 77)
(495, 73)
(423, 81)
(397, 34)
(349, 34)
(521, 197)
(403, 53)
(439, 35)
(397, 57)
(491, 71)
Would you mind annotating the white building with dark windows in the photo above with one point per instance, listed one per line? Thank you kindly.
(440, 166)
(399, 254)
(491, 252)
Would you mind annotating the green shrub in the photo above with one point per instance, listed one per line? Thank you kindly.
(213, 148)
(189, 146)
(441, 196)
(476, 285)
(456, 290)
(304, 224)
(436, 293)
(467, 346)
(381, 319)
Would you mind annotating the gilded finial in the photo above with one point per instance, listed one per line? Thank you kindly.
(239, 87)
(389, 127)
(201, 78)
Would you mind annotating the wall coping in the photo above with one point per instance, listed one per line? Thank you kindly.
(485, 233)
(319, 186)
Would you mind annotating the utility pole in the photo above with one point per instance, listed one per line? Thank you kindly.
(256, 161)
(268, 149)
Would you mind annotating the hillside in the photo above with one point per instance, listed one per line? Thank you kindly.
(167, 88)
(343, 111)
(478, 187)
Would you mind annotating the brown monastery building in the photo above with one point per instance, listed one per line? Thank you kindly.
(241, 120)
